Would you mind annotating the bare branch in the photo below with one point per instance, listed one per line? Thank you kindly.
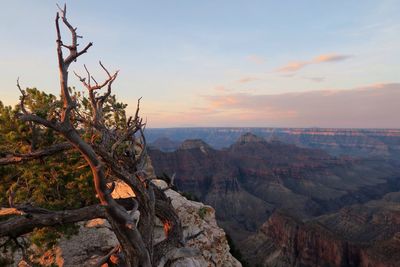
(83, 80)
(23, 96)
(137, 109)
(84, 50)
(73, 48)
(62, 10)
(40, 120)
(105, 69)
(106, 257)
(112, 79)
(94, 80)
(88, 74)
(63, 64)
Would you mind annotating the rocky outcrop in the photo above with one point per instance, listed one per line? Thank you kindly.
(200, 229)
(204, 240)
(203, 233)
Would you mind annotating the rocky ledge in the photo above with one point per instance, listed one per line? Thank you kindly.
(200, 229)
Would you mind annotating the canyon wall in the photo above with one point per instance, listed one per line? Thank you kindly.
(353, 142)
(285, 205)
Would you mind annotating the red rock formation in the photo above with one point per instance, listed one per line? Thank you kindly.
(295, 243)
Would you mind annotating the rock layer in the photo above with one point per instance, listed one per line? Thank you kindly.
(359, 236)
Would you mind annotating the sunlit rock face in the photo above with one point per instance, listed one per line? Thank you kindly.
(198, 221)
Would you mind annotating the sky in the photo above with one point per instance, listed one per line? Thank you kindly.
(298, 63)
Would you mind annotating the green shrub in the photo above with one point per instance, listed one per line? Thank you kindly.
(202, 212)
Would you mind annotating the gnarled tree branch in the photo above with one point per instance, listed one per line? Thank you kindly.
(33, 218)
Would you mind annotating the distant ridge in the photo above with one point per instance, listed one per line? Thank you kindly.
(351, 142)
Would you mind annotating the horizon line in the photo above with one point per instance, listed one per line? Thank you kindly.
(270, 127)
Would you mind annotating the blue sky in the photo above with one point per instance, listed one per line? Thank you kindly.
(199, 63)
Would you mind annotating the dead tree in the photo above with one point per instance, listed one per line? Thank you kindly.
(110, 147)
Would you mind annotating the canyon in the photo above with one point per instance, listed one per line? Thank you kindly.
(286, 204)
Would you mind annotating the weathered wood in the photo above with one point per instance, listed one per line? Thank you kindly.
(20, 225)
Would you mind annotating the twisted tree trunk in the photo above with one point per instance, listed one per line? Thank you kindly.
(110, 153)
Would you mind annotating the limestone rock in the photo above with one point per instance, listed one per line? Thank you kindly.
(95, 238)
(200, 227)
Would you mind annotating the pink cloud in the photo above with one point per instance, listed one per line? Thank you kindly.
(324, 58)
(373, 106)
(330, 58)
(247, 79)
(293, 66)
(224, 101)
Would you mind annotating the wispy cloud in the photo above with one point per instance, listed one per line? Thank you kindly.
(324, 58)
(293, 66)
(247, 79)
(330, 58)
(255, 59)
